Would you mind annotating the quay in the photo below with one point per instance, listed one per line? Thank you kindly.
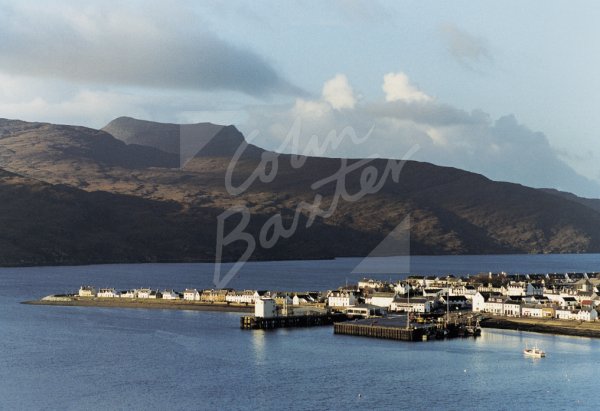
(385, 328)
(250, 322)
(395, 328)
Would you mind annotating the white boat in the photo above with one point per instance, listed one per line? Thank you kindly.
(534, 352)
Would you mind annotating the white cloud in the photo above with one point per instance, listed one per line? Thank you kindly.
(397, 87)
(338, 93)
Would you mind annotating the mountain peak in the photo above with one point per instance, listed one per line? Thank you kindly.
(186, 140)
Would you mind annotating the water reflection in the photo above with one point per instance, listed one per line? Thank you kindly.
(258, 346)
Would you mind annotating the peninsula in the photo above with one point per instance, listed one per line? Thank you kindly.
(558, 303)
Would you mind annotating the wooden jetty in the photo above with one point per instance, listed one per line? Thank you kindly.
(250, 322)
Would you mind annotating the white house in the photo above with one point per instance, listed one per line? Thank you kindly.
(107, 293)
(413, 305)
(265, 308)
(144, 293)
(341, 299)
(380, 299)
(516, 289)
(587, 314)
(434, 292)
(565, 314)
(170, 295)
(303, 299)
(511, 308)
(244, 297)
(479, 300)
(191, 294)
(488, 302)
(402, 287)
(87, 291)
(531, 311)
(129, 294)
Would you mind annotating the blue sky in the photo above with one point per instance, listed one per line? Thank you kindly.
(508, 89)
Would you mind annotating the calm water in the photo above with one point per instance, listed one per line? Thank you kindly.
(91, 358)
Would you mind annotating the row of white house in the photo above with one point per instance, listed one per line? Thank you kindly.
(391, 301)
(248, 297)
(564, 308)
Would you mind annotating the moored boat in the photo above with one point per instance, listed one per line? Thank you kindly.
(534, 352)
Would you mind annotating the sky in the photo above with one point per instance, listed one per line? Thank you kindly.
(508, 89)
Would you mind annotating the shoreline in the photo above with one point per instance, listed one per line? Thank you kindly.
(544, 326)
(155, 305)
(21, 264)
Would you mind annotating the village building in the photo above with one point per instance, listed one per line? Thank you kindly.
(413, 305)
(302, 299)
(144, 293)
(213, 296)
(511, 308)
(154, 295)
(191, 294)
(402, 288)
(265, 308)
(129, 294)
(372, 284)
(380, 299)
(170, 295)
(87, 291)
(455, 302)
(107, 293)
(244, 297)
(416, 279)
(282, 298)
(342, 299)
(530, 310)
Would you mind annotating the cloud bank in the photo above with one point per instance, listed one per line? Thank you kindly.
(112, 44)
(501, 149)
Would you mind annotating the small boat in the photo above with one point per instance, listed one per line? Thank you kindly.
(534, 352)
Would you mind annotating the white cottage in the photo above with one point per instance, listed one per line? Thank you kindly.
(87, 291)
(341, 299)
(191, 295)
(107, 293)
(144, 293)
(170, 295)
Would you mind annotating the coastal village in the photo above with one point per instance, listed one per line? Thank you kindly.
(566, 296)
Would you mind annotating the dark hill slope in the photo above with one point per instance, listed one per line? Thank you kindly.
(131, 202)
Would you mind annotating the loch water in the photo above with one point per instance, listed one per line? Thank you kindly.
(88, 358)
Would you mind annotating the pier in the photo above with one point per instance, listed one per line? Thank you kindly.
(250, 322)
(395, 328)
(369, 329)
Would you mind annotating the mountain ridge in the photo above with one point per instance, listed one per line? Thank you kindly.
(453, 211)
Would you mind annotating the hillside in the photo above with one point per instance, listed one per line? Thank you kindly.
(124, 193)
